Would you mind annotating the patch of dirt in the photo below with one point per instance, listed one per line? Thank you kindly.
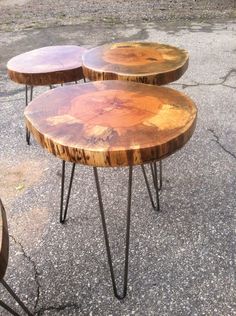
(15, 179)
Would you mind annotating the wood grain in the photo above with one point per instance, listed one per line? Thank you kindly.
(4, 241)
(150, 63)
(111, 123)
(47, 65)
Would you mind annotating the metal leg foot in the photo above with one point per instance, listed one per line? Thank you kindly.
(156, 206)
(63, 211)
(13, 294)
(109, 257)
(26, 103)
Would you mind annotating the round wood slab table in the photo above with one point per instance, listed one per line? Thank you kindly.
(111, 124)
(46, 66)
(151, 63)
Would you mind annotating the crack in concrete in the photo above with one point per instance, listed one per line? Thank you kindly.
(217, 140)
(58, 308)
(36, 273)
(197, 84)
(36, 276)
(229, 86)
(233, 70)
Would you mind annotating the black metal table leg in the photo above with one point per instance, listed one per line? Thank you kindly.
(26, 103)
(63, 211)
(156, 205)
(13, 294)
(154, 174)
(109, 257)
(160, 174)
(8, 308)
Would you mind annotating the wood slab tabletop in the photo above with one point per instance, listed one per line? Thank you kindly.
(4, 241)
(111, 123)
(47, 65)
(145, 62)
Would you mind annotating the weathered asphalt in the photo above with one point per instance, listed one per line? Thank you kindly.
(182, 260)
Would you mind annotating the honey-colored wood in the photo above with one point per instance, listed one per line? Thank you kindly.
(47, 65)
(150, 63)
(4, 241)
(111, 123)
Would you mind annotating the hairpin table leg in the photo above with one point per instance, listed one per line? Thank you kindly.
(26, 103)
(156, 205)
(63, 211)
(13, 294)
(109, 257)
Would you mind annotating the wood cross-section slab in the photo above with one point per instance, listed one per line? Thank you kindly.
(47, 65)
(150, 63)
(111, 123)
(4, 241)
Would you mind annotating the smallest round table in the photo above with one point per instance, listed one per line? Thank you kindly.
(46, 66)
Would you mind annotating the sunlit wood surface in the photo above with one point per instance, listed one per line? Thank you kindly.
(47, 65)
(151, 63)
(111, 123)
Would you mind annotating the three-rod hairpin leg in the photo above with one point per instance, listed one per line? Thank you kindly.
(63, 210)
(26, 103)
(160, 174)
(154, 174)
(109, 257)
(13, 294)
(156, 206)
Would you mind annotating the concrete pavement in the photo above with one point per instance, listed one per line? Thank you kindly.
(182, 261)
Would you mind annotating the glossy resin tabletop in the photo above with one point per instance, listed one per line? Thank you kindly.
(111, 123)
(47, 65)
(151, 63)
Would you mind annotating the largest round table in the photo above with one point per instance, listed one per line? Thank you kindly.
(111, 124)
